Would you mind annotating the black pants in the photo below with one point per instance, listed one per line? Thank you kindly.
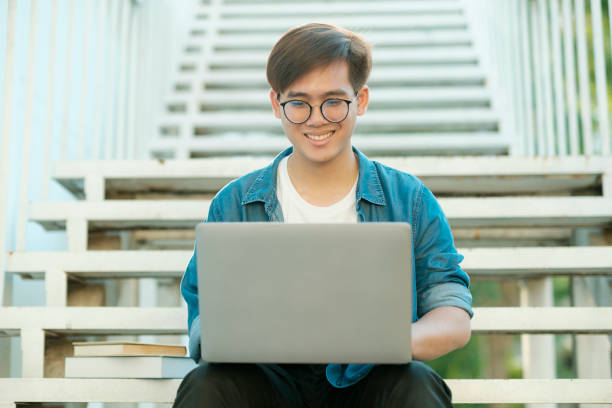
(250, 385)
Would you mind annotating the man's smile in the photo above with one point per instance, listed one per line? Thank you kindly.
(319, 136)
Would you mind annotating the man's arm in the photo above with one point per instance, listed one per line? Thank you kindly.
(440, 331)
(443, 295)
(189, 290)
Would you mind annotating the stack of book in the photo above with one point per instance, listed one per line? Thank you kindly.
(120, 359)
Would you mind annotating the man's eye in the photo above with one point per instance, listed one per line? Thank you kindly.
(333, 102)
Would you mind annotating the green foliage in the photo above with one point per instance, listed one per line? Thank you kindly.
(465, 363)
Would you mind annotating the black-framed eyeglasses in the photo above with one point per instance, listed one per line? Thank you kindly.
(333, 110)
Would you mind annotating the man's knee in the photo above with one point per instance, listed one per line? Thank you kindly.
(419, 385)
(420, 373)
(204, 383)
(209, 376)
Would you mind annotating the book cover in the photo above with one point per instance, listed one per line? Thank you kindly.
(128, 367)
(126, 348)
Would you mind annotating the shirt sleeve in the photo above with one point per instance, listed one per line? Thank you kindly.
(189, 290)
(440, 281)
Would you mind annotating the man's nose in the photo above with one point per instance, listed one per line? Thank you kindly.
(316, 117)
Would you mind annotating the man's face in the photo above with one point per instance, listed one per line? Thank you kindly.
(318, 140)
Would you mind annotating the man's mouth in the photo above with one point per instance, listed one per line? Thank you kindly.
(319, 137)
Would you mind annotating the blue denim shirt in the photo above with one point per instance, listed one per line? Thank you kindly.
(383, 194)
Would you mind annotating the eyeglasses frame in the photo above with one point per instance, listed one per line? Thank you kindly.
(348, 104)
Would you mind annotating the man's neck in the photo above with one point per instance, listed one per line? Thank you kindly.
(323, 184)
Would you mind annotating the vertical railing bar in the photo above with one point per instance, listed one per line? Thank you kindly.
(152, 126)
(510, 43)
(134, 59)
(515, 61)
(167, 46)
(537, 72)
(500, 67)
(155, 125)
(142, 76)
(121, 102)
(100, 86)
(557, 65)
(110, 105)
(527, 83)
(610, 37)
(5, 136)
(24, 190)
(505, 41)
(46, 166)
(155, 77)
(570, 77)
(494, 80)
(600, 77)
(82, 133)
(583, 74)
(546, 68)
(145, 94)
(127, 139)
(494, 34)
(67, 83)
(515, 43)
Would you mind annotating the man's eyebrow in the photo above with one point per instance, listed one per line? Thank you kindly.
(293, 94)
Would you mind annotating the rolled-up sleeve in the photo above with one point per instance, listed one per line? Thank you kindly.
(440, 281)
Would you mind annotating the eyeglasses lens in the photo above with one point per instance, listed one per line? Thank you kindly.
(297, 111)
(335, 110)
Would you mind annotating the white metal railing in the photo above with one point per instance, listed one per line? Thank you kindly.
(78, 80)
(544, 58)
(539, 55)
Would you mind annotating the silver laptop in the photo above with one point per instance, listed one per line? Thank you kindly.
(305, 293)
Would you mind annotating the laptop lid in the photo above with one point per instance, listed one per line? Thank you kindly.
(305, 293)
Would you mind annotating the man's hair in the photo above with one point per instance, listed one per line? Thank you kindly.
(315, 45)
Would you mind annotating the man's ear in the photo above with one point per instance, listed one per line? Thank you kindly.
(275, 104)
(363, 99)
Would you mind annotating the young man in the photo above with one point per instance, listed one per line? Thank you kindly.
(318, 76)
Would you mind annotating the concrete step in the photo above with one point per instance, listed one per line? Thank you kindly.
(504, 237)
(262, 2)
(173, 320)
(95, 320)
(398, 120)
(381, 38)
(33, 390)
(325, 9)
(382, 98)
(100, 264)
(443, 175)
(389, 21)
(479, 262)
(461, 212)
(381, 58)
(406, 77)
(388, 144)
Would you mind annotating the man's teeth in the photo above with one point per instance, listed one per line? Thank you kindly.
(319, 137)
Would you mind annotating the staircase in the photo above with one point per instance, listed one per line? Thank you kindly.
(429, 94)
(518, 219)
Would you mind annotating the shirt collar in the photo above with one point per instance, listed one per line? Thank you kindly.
(369, 186)
(263, 188)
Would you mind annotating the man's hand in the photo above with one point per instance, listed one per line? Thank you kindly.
(440, 331)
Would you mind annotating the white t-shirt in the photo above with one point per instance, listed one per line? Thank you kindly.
(296, 210)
